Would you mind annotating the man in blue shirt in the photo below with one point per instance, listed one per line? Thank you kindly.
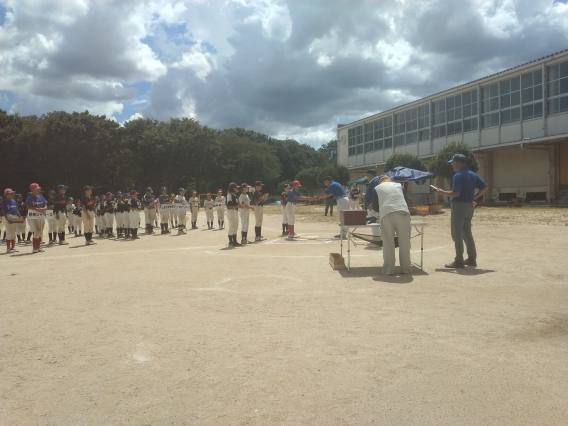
(464, 184)
(373, 181)
(336, 191)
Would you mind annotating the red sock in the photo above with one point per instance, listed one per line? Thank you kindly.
(291, 229)
(35, 244)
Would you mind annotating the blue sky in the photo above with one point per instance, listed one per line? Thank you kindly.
(285, 68)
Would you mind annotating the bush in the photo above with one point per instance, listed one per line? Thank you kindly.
(408, 160)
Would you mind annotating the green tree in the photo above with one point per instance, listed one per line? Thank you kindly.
(406, 159)
(440, 166)
(309, 179)
(337, 172)
(329, 152)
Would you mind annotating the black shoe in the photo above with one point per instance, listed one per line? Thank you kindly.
(470, 262)
(454, 264)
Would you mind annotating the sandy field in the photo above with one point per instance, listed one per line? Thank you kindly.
(179, 330)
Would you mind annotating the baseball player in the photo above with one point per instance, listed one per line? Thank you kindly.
(109, 214)
(119, 214)
(23, 211)
(165, 200)
(126, 214)
(77, 214)
(98, 212)
(11, 213)
(135, 206)
(294, 196)
(194, 203)
(209, 205)
(220, 204)
(258, 199)
(60, 212)
(37, 204)
(245, 208)
(173, 213)
(354, 197)
(88, 214)
(233, 213)
(148, 202)
(181, 213)
(283, 202)
(70, 218)
(51, 220)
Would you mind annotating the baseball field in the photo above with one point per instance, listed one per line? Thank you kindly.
(179, 330)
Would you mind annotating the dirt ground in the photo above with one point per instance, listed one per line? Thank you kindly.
(178, 330)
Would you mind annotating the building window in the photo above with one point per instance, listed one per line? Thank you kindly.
(412, 126)
(510, 100)
(454, 114)
(387, 127)
(557, 80)
(424, 122)
(439, 118)
(355, 136)
(531, 86)
(469, 103)
(490, 105)
(369, 137)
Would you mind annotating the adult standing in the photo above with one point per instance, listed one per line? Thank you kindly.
(148, 201)
(395, 218)
(373, 181)
(258, 199)
(336, 191)
(88, 215)
(37, 206)
(464, 184)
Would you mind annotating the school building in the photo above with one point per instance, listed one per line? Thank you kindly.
(515, 121)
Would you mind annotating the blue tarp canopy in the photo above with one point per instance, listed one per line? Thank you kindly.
(404, 174)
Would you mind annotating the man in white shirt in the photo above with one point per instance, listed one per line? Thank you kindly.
(395, 218)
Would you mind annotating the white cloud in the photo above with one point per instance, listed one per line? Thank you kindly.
(274, 17)
(196, 60)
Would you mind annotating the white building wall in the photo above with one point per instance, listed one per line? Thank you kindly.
(520, 171)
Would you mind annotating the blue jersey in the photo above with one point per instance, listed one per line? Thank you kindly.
(368, 200)
(36, 201)
(465, 182)
(292, 195)
(336, 190)
(10, 207)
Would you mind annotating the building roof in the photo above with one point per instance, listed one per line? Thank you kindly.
(457, 87)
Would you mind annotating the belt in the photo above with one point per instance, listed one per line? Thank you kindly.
(343, 196)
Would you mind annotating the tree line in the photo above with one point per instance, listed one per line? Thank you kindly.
(79, 148)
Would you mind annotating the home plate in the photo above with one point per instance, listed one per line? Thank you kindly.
(310, 237)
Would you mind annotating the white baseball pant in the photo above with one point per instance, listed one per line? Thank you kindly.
(291, 213)
(11, 227)
(134, 217)
(164, 216)
(233, 219)
(21, 228)
(51, 224)
(343, 203)
(36, 226)
(60, 223)
(109, 221)
(181, 214)
(194, 212)
(149, 216)
(209, 214)
(354, 204)
(284, 214)
(258, 215)
(220, 214)
(245, 215)
(88, 219)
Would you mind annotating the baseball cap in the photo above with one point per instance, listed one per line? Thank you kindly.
(244, 185)
(258, 183)
(9, 191)
(194, 192)
(35, 186)
(109, 194)
(70, 199)
(372, 172)
(163, 188)
(181, 189)
(19, 196)
(286, 185)
(296, 182)
(172, 195)
(51, 191)
(220, 190)
(119, 193)
(458, 157)
(134, 192)
(233, 185)
(62, 186)
(148, 189)
(86, 187)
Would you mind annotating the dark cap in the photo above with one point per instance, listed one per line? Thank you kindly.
(458, 157)
(86, 187)
(286, 185)
(61, 187)
(372, 172)
(181, 189)
(233, 185)
(109, 194)
(19, 196)
(148, 189)
(258, 183)
(70, 199)
(51, 191)
(119, 193)
(133, 192)
(244, 185)
(163, 188)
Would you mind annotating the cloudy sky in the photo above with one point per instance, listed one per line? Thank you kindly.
(285, 68)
